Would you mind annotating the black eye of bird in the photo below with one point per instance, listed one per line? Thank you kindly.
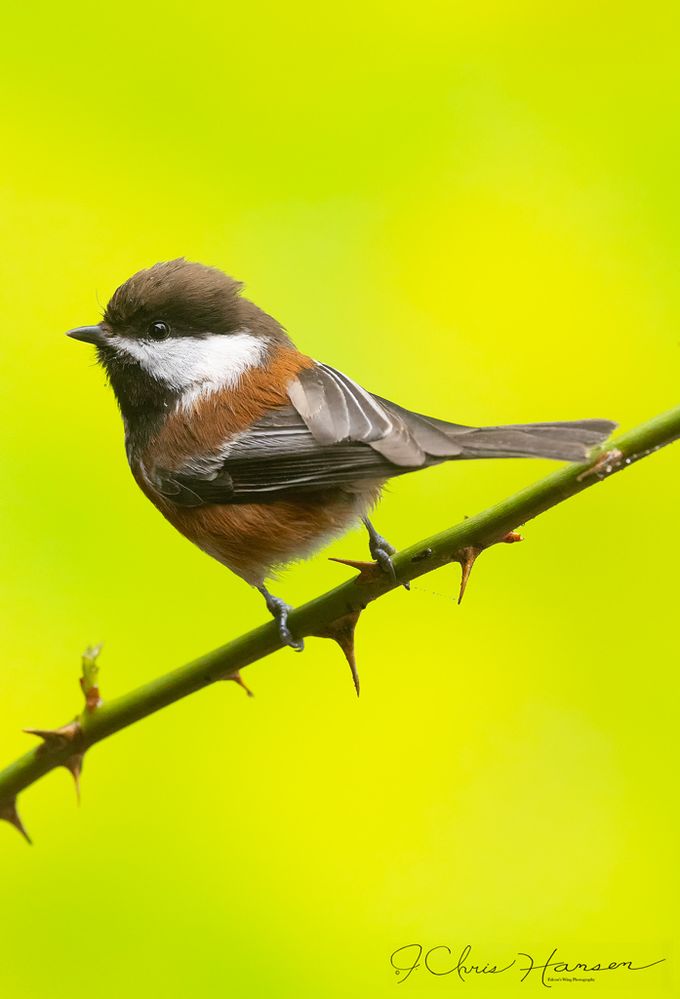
(158, 331)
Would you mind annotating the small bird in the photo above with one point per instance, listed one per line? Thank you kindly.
(256, 453)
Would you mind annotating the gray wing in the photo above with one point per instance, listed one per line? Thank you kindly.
(335, 434)
(336, 410)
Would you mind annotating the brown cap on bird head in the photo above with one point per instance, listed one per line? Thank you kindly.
(190, 298)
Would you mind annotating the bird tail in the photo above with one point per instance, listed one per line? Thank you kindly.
(566, 441)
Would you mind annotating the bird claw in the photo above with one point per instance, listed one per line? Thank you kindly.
(280, 610)
(382, 551)
(383, 559)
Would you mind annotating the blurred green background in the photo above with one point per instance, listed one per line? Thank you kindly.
(473, 210)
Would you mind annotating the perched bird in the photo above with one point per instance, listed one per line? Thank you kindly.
(255, 452)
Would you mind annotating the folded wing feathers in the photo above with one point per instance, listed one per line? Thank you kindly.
(338, 435)
(336, 409)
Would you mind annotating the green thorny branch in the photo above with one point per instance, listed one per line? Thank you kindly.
(332, 615)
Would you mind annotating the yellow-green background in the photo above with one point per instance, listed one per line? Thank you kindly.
(474, 210)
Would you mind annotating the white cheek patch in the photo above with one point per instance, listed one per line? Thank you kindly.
(196, 366)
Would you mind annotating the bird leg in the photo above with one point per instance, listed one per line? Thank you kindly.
(381, 551)
(280, 610)
(380, 548)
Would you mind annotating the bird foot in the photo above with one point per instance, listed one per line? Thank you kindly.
(280, 610)
(382, 551)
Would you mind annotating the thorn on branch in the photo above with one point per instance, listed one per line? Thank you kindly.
(71, 734)
(467, 558)
(57, 738)
(469, 555)
(341, 631)
(74, 765)
(237, 678)
(8, 813)
(367, 570)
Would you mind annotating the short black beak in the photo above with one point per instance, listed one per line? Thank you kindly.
(88, 334)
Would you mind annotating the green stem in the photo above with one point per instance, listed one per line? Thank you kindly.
(476, 532)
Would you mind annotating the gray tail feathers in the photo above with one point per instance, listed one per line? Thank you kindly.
(569, 441)
(563, 441)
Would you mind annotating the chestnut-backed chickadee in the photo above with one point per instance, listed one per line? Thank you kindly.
(255, 452)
